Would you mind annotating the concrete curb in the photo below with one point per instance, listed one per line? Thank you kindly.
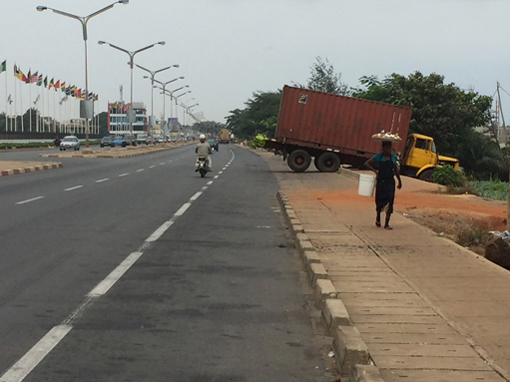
(25, 170)
(351, 352)
(350, 349)
(364, 373)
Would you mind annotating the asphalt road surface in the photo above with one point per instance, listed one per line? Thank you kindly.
(136, 269)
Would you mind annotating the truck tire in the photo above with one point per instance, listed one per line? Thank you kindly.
(427, 175)
(327, 162)
(299, 160)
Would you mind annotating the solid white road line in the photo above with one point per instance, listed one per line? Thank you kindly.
(125, 174)
(73, 188)
(105, 285)
(30, 360)
(30, 200)
(102, 180)
(183, 209)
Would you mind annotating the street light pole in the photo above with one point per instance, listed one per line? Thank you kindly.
(131, 65)
(163, 87)
(84, 21)
(152, 77)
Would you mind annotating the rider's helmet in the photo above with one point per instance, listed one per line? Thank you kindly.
(202, 138)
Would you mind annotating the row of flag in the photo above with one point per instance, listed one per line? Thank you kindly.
(36, 78)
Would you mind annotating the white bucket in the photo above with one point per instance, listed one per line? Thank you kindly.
(366, 184)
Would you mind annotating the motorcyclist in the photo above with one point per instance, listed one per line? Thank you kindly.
(204, 150)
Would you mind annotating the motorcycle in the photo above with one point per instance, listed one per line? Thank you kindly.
(202, 166)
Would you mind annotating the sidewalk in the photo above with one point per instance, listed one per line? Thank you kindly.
(425, 308)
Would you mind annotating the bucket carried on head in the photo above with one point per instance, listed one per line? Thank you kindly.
(366, 185)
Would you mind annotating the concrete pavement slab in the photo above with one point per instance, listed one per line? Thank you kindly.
(425, 350)
(399, 362)
(439, 376)
(413, 338)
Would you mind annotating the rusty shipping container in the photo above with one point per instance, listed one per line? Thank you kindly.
(338, 122)
(317, 122)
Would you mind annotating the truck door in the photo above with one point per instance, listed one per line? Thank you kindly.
(422, 153)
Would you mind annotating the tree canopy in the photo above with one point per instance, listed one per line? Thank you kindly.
(442, 111)
(259, 116)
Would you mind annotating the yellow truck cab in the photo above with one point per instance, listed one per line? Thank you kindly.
(420, 157)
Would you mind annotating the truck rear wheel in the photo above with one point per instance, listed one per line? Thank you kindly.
(327, 162)
(299, 160)
(427, 175)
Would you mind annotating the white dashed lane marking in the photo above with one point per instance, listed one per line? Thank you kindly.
(73, 188)
(122, 175)
(102, 180)
(30, 200)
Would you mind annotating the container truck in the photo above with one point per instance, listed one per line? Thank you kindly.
(337, 130)
(224, 136)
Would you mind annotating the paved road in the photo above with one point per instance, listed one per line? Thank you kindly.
(211, 290)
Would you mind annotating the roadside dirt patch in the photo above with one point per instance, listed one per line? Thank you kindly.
(465, 219)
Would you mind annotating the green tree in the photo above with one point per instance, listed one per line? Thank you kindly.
(324, 79)
(259, 116)
(442, 111)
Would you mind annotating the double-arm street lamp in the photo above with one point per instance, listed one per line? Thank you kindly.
(84, 21)
(163, 87)
(152, 77)
(131, 65)
(187, 109)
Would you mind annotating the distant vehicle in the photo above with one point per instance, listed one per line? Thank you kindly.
(141, 138)
(129, 140)
(224, 136)
(119, 141)
(213, 143)
(108, 141)
(70, 142)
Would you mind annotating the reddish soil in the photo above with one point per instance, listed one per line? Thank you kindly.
(466, 219)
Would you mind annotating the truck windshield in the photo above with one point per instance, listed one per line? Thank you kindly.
(434, 147)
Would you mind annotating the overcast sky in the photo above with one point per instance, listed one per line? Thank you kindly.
(228, 49)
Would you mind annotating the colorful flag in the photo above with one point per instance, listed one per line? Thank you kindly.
(57, 85)
(45, 81)
(63, 86)
(52, 83)
(33, 79)
(17, 72)
(96, 97)
(28, 77)
(79, 93)
(3, 66)
(39, 81)
(68, 90)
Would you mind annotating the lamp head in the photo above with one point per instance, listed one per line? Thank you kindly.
(145, 76)
(181, 78)
(41, 8)
(176, 66)
(161, 43)
(125, 2)
(101, 42)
